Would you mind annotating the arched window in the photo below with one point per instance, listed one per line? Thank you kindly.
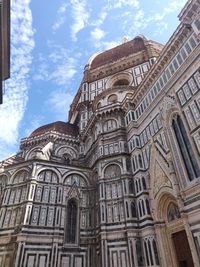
(186, 150)
(134, 165)
(133, 210)
(127, 211)
(150, 252)
(146, 252)
(144, 183)
(139, 253)
(20, 177)
(137, 142)
(173, 212)
(71, 221)
(143, 209)
(48, 176)
(140, 187)
(155, 250)
(137, 189)
(148, 207)
(140, 161)
(131, 187)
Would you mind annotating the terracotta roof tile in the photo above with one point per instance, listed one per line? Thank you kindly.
(118, 52)
(58, 126)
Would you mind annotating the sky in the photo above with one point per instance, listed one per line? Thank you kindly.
(52, 41)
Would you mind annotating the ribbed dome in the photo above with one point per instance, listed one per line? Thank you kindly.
(118, 52)
(58, 126)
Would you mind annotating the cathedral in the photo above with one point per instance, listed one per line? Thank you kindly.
(118, 185)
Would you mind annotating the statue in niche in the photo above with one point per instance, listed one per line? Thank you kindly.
(66, 158)
(45, 152)
(173, 212)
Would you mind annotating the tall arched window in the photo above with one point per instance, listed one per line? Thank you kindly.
(71, 221)
(144, 183)
(186, 150)
(150, 252)
(133, 210)
(155, 252)
(127, 210)
(148, 207)
(140, 161)
(139, 253)
(131, 187)
(146, 252)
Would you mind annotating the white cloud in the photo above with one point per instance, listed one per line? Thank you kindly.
(97, 34)
(60, 69)
(60, 101)
(140, 20)
(122, 3)
(106, 45)
(61, 17)
(16, 88)
(80, 17)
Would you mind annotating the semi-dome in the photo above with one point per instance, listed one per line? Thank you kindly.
(58, 126)
(118, 52)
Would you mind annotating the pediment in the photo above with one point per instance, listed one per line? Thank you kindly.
(159, 173)
(74, 192)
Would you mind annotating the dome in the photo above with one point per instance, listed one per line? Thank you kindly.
(118, 52)
(58, 126)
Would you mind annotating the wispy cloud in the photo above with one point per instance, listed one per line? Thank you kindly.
(35, 122)
(59, 66)
(61, 17)
(61, 102)
(16, 88)
(141, 20)
(106, 45)
(122, 3)
(97, 34)
(80, 16)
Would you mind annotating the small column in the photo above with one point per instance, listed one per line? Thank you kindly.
(164, 253)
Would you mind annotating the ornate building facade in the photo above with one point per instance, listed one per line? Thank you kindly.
(118, 185)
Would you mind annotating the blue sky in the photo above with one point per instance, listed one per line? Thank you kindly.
(51, 42)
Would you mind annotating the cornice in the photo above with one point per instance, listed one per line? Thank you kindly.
(49, 136)
(162, 62)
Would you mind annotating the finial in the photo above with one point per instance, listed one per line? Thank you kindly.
(125, 39)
